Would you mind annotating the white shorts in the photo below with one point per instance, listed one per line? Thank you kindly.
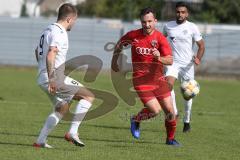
(180, 71)
(65, 92)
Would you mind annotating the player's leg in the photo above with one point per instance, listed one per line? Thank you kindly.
(171, 81)
(170, 120)
(85, 99)
(151, 109)
(171, 76)
(187, 115)
(52, 120)
(188, 74)
(61, 107)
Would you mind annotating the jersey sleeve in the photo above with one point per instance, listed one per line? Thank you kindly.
(164, 47)
(126, 39)
(55, 40)
(197, 36)
(164, 31)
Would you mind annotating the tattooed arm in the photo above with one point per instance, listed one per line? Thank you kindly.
(50, 62)
(116, 54)
(36, 53)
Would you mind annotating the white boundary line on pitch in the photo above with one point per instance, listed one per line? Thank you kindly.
(24, 103)
(44, 104)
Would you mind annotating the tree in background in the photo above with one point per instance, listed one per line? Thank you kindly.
(210, 11)
(219, 11)
(123, 9)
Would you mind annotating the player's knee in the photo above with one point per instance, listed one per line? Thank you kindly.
(90, 98)
(156, 111)
(170, 116)
(63, 109)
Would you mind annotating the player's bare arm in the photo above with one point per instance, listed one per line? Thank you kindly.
(36, 53)
(164, 32)
(50, 69)
(200, 52)
(166, 60)
(116, 53)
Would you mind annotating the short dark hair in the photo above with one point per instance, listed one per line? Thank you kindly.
(65, 10)
(147, 10)
(182, 4)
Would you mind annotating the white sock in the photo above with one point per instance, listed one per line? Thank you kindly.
(174, 102)
(80, 112)
(188, 107)
(50, 123)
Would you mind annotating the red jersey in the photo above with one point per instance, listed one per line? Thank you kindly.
(143, 60)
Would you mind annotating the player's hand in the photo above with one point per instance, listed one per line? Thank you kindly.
(196, 60)
(156, 53)
(115, 67)
(52, 88)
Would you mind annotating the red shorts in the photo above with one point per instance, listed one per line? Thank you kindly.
(156, 89)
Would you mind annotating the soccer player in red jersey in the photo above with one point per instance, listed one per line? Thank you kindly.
(150, 52)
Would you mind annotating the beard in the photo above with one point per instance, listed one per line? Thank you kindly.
(180, 21)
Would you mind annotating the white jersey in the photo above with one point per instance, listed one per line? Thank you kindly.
(181, 38)
(54, 35)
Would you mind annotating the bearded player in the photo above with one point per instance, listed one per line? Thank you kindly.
(182, 35)
(150, 52)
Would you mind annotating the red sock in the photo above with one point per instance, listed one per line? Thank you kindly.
(171, 128)
(144, 114)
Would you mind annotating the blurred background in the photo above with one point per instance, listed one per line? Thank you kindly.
(102, 22)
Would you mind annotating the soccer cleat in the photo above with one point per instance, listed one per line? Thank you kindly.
(135, 129)
(186, 127)
(173, 142)
(42, 145)
(74, 139)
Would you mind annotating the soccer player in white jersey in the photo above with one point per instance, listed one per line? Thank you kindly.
(51, 56)
(182, 35)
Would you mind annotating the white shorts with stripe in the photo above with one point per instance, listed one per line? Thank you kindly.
(65, 92)
(180, 71)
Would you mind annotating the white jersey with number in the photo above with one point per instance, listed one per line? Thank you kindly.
(54, 35)
(182, 38)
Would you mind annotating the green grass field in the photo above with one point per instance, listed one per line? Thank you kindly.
(24, 107)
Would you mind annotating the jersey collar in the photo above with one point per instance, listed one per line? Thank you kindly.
(59, 26)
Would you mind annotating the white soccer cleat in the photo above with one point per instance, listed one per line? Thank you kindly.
(42, 145)
(74, 139)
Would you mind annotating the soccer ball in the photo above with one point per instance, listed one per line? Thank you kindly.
(190, 89)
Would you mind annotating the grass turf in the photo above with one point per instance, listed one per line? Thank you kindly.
(24, 108)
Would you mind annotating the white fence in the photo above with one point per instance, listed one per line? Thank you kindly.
(19, 37)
